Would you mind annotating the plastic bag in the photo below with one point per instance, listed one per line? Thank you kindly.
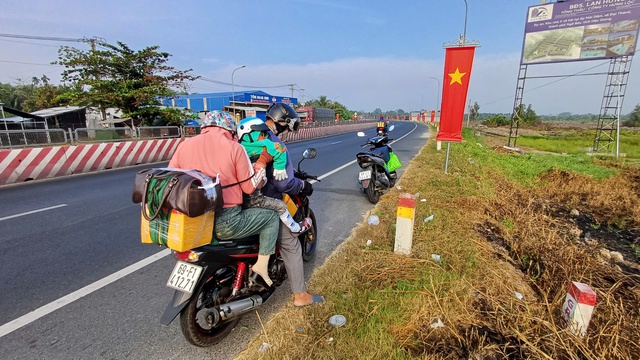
(394, 163)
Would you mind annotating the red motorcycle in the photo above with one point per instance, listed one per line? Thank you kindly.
(212, 285)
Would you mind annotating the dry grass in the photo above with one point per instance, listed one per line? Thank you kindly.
(495, 238)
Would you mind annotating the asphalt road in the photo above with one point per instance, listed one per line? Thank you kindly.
(76, 283)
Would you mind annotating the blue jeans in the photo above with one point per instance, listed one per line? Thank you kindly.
(235, 223)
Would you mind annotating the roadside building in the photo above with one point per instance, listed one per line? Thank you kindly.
(240, 103)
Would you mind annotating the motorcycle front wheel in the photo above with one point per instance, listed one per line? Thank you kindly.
(197, 322)
(373, 195)
(309, 239)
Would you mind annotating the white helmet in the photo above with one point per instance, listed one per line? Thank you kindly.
(250, 124)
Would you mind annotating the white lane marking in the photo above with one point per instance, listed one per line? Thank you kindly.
(68, 299)
(32, 212)
(76, 295)
(335, 142)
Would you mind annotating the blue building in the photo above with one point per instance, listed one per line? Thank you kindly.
(240, 103)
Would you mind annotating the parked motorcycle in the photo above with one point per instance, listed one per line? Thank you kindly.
(212, 285)
(375, 177)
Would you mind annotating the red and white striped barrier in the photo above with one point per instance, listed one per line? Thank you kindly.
(40, 163)
(578, 308)
(21, 165)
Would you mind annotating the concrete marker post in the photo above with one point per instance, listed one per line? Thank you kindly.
(405, 216)
(578, 308)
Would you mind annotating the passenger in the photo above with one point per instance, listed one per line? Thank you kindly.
(216, 152)
(252, 133)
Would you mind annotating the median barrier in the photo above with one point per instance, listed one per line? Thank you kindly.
(20, 165)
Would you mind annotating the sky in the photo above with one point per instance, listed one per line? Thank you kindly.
(365, 54)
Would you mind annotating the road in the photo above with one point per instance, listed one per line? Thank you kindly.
(76, 283)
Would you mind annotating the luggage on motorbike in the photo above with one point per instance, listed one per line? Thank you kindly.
(177, 207)
(394, 163)
(292, 207)
(177, 231)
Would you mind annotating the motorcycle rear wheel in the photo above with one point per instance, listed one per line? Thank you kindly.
(210, 293)
(373, 195)
(309, 239)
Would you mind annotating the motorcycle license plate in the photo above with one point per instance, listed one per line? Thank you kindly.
(184, 277)
(364, 175)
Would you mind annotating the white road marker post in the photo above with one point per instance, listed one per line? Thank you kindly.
(404, 223)
(578, 308)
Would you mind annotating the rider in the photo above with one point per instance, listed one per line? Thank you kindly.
(252, 133)
(383, 126)
(216, 152)
(280, 118)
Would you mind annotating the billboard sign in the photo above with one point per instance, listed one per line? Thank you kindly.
(580, 30)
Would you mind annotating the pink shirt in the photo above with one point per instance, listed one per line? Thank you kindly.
(215, 152)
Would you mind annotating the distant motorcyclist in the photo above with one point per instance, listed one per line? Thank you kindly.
(383, 126)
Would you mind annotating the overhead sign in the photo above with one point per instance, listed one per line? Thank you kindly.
(580, 30)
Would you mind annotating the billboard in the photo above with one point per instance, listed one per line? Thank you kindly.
(580, 30)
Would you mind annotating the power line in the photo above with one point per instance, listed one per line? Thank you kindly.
(563, 77)
(27, 63)
(48, 38)
(30, 43)
(244, 86)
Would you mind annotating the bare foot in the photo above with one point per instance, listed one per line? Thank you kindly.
(304, 299)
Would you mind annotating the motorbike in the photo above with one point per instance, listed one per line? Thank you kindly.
(375, 178)
(213, 288)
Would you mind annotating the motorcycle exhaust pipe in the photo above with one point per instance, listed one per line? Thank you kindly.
(237, 308)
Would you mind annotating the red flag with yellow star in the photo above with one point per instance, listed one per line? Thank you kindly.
(457, 72)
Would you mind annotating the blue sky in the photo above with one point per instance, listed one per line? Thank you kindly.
(363, 54)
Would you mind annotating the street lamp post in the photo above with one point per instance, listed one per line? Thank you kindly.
(233, 90)
(438, 98)
(464, 33)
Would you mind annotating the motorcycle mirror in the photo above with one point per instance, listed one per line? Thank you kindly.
(309, 153)
(391, 127)
(361, 134)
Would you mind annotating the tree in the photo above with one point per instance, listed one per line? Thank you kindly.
(45, 95)
(473, 112)
(123, 78)
(634, 118)
(525, 116)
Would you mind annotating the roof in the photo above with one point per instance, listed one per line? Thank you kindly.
(54, 111)
(15, 119)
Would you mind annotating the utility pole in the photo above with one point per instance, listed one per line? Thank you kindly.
(291, 87)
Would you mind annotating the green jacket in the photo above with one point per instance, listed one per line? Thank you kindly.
(256, 145)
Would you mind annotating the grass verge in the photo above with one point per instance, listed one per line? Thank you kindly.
(512, 232)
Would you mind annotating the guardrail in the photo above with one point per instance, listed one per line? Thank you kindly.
(109, 152)
(29, 138)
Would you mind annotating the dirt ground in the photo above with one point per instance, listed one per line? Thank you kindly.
(585, 224)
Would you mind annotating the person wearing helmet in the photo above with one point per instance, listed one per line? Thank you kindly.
(383, 126)
(283, 118)
(216, 152)
(252, 134)
(280, 118)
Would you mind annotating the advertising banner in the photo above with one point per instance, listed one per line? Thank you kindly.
(580, 30)
(457, 72)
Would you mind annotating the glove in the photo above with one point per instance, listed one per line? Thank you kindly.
(300, 175)
(280, 174)
(307, 189)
